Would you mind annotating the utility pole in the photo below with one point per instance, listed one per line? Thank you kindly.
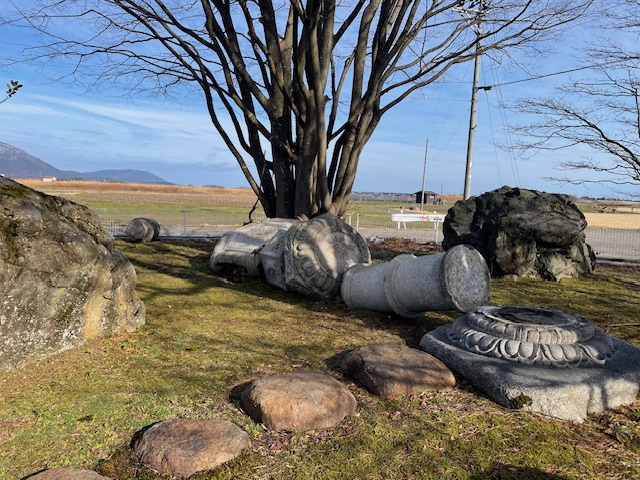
(474, 11)
(424, 176)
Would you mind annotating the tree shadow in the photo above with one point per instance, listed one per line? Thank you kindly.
(511, 472)
(189, 261)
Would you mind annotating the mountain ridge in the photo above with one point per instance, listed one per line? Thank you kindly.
(17, 163)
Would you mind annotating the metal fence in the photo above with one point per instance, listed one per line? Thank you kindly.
(608, 243)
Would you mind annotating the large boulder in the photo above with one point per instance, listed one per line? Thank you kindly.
(522, 232)
(61, 279)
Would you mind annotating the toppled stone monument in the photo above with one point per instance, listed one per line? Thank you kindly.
(309, 257)
(241, 247)
(61, 279)
(522, 232)
(539, 359)
(143, 230)
(317, 254)
(409, 286)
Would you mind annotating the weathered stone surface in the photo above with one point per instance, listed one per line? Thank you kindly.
(304, 400)
(241, 247)
(68, 473)
(143, 229)
(317, 253)
(272, 259)
(409, 286)
(522, 232)
(532, 335)
(181, 447)
(61, 279)
(396, 371)
(564, 393)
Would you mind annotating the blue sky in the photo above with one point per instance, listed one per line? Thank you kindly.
(73, 129)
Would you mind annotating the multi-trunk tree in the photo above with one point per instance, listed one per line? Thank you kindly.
(295, 88)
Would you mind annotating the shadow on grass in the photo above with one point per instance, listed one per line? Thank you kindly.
(189, 261)
(511, 472)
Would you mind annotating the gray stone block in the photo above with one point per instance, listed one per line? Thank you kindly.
(564, 393)
(241, 247)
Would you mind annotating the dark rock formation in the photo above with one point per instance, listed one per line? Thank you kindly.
(61, 279)
(181, 447)
(522, 232)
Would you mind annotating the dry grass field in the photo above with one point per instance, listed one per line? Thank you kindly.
(613, 220)
(100, 194)
(132, 194)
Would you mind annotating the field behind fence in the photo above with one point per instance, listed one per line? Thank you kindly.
(608, 243)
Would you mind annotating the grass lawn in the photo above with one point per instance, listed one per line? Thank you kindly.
(205, 337)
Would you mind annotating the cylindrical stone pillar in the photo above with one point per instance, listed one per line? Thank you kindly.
(363, 285)
(458, 279)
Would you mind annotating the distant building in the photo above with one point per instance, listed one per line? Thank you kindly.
(429, 197)
(49, 179)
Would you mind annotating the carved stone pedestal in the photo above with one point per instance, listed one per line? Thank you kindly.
(539, 359)
(317, 253)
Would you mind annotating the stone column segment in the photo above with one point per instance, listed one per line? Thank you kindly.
(409, 286)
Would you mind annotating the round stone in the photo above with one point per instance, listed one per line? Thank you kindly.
(180, 447)
(300, 400)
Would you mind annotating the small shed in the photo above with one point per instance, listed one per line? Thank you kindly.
(49, 179)
(429, 197)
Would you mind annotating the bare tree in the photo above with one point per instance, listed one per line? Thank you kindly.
(294, 87)
(600, 110)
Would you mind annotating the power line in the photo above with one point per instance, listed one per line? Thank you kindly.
(546, 75)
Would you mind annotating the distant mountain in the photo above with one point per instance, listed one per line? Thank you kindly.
(16, 163)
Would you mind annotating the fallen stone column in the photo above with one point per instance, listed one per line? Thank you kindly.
(539, 360)
(409, 286)
(241, 247)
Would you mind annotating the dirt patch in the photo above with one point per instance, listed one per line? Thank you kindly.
(394, 246)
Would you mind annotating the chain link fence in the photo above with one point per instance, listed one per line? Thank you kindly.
(608, 243)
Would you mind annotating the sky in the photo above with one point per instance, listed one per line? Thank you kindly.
(75, 129)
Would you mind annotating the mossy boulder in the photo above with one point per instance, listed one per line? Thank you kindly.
(61, 279)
